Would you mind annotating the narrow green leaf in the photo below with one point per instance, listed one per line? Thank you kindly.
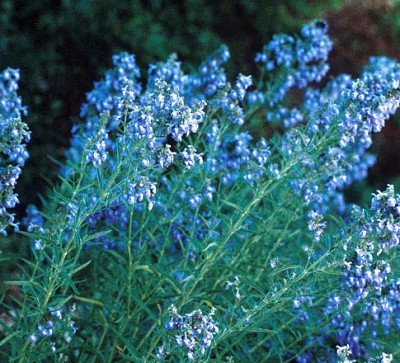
(8, 337)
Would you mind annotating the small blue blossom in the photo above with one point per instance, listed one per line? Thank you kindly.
(166, 156)
(273, 170)
(209, 192)
(33, 338)
(297, 307)
(255, 97)
(189, 157)
(194, 201)
(144, 189)
(316, 225)
(53, 348)
(34, 222)
(289, 117)
(229, 100)
(234, 284)
(96, 152)
(211, 76)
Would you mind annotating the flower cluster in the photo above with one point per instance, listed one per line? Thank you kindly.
(96, 151)
(162, 112)
(315, 225)
(368, 279)
(355, 109)
(194, 331)
(303, 58)
(13, 136)
(229, 101)
(57, 331)
(289, 117)
(109, 95)
(34, 222)
(201, 85)
(212, 77)
(367, 302)
(234, 284)
(140, 191)
(236, 155)
(344, 354)
(298, 303)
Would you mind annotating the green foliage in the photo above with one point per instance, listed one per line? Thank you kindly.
(122, 296)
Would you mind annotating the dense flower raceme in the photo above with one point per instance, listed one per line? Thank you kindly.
(372, 288)
(355, 108)
(205, 83)
(366, 309)
(300, 59)
(119, 84)
(13, 136)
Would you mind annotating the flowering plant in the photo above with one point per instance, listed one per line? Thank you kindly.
(177, 233)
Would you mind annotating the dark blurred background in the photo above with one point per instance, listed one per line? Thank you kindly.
(62, 47)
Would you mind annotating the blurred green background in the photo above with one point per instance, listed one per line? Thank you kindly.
(62, 47)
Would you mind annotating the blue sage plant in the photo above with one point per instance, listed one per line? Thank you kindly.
(14, 135)
(203, 219)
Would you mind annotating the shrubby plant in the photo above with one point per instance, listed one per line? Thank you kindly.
(175, 234)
